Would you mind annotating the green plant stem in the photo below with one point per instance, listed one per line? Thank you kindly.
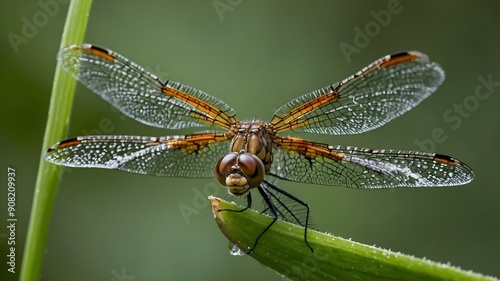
(56, 129)
(282, 248)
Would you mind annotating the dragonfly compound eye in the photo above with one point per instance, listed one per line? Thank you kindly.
(253, 169)
(224, 165)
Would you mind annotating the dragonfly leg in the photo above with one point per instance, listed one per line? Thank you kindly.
(274, 212)
(293, 198)
(249, 204)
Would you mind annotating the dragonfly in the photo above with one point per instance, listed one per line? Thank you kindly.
(251, 155)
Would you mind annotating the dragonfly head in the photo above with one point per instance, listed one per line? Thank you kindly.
(240, 172)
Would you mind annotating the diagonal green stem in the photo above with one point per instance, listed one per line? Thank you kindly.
(56, 129)
(282, 248)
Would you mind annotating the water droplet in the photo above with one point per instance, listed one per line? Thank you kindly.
(235, 251)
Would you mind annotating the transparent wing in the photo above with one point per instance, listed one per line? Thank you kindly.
(191, 156)
(140, 94)
(367, 100)
(288, 207)
(308, 162)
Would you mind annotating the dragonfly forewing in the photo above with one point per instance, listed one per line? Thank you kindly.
(142, 95)
(370, 98)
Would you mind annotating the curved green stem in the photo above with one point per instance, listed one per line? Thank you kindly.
(56, 129)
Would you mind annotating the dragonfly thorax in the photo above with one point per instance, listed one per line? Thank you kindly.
(249, 160)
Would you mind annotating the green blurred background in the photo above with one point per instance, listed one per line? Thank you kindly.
(254, 55)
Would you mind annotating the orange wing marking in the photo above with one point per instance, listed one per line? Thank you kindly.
(443, 159)
(399, 59)
(308, 149)
(196, 143)
(68, 143)
(99, 52)
(217, 116)
(289, 121)
(389, 61)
